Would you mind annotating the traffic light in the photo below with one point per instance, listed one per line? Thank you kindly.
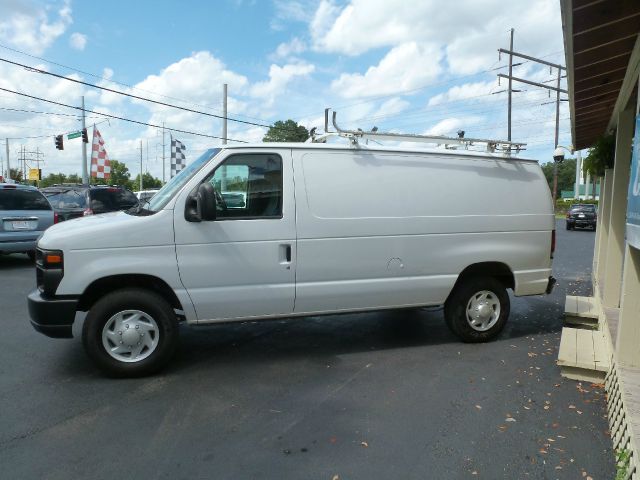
(85, 138)
(59, 144)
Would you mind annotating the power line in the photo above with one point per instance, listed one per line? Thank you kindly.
(99, 77)
(20, 110)
(137, 97)
(48, 136)
(117, 117)
(448, 81)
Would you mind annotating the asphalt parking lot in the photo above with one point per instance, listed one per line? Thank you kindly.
(389, 395)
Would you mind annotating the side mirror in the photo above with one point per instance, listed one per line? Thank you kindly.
(201, 204)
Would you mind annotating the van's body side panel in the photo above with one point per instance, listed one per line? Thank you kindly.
(384, 229)
(236, 268)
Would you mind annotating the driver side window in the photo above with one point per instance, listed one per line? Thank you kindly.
(249, 186)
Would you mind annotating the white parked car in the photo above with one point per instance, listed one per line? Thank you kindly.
(145, 195)
(324, 229)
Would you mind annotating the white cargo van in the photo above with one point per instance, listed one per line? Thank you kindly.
(322, 228)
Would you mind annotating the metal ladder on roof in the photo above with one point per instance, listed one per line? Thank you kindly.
(354, 136)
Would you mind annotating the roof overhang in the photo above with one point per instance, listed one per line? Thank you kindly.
(602, 49)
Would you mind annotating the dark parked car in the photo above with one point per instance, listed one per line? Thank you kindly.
(24, 215)
(72, 201)
(582, 215)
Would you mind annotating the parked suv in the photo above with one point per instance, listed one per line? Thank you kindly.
(24, 215)
(72, 201)
(582, 215)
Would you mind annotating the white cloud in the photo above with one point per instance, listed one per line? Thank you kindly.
(294, 47)
(287, 11)
(405, 67)
(449, 126)
(393, 106)
(197, 80)
(279, 78)
(471, 31)
(464, 91)
(78, 41)
(27, 26)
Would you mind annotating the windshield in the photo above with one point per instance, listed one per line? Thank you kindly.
(19, 199)
(584, 208)
(111, 199)
(63, 199)
(174, 185)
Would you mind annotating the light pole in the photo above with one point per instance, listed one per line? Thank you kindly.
(558, 157)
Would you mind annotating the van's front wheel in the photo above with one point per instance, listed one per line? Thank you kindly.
(130, 333)
(477, 309)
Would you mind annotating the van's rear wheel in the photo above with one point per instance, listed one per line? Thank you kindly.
(477, 309)
(130, 333)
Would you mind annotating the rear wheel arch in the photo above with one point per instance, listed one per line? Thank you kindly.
(497, 270)
(103, 286)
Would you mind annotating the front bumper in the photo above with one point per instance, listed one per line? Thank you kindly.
(550, 285)
(52, 317)
(15, 246)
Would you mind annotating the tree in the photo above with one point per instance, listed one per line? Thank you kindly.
(15, 174)
(566, 174)
(287, 131)
(52, 179)
(148, 182)
(601, 156)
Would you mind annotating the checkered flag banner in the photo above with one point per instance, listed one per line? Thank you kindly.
(100, 165)
(177, 156)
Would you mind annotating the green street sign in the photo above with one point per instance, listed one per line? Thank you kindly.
(73, 135)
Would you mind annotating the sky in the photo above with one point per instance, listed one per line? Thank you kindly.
(405, 66)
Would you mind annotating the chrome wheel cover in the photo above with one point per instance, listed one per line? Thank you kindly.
(483, 310)
(130, 336)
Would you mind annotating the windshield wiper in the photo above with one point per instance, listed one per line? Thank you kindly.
(139, 209)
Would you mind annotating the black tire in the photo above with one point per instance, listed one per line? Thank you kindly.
(455, 308)
(32, 255)
(149, 303)
(569, 226)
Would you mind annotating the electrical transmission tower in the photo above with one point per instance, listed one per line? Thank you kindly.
(552, 66)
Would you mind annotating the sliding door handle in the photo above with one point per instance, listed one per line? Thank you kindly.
(288, 253)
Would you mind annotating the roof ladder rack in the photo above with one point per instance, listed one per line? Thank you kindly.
(449, 142)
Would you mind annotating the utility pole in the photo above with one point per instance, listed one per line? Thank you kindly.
(140, 164)
(163, 177)
(556, 89)
(223, 180)
(555, 143)
(8, 165)
(224, 114)
(509, 88)
(85, 177)
(578, 175)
